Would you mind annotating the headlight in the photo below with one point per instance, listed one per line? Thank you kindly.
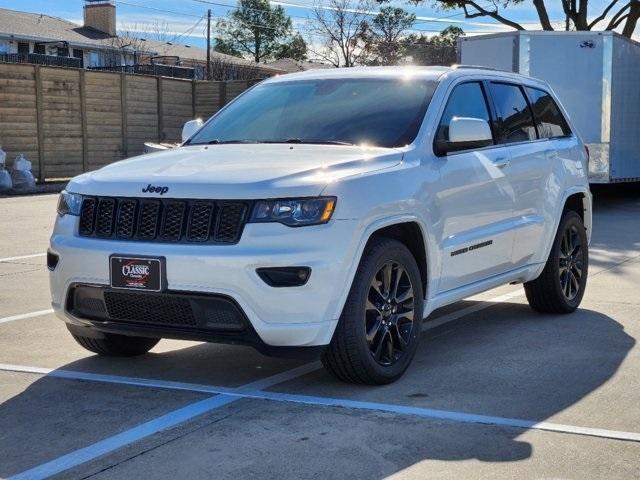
(294, 212)
(69, 203)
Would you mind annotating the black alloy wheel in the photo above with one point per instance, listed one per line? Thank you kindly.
(389, 313)
(571, 263)
(562, 283)
(380, 327)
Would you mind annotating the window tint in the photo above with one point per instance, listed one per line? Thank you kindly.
(549, 119)
(466, 100)
(514, 121)
(385, 112)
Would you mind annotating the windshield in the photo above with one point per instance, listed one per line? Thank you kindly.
(377, 112)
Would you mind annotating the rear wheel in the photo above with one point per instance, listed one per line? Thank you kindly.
(379, 329)
(561, 285)
(117, 345)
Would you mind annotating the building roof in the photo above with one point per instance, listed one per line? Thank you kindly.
(189, 52)
(45, 28)
(290, 65)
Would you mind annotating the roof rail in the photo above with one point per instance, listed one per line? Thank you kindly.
(478, 67)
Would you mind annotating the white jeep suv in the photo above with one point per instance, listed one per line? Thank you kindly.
(329, 212)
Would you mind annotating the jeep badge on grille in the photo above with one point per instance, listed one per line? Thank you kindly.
(155, 189)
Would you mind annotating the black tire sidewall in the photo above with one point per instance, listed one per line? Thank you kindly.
(570, 218)
(372, 262)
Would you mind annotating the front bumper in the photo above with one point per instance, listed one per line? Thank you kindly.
(303, 316)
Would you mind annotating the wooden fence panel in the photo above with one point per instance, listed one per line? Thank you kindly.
(61, 127)
(142, 112)
(18, 113)
(70, 120)
(209, 98)
(235, 88)
(103, 119)
(176, 108)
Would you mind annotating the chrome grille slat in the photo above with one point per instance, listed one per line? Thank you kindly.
(163, 220)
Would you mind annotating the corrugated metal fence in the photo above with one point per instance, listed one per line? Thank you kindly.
(68, 121)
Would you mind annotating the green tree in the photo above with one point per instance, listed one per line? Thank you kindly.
(255, 29)
(435, 50)
(385, 35)
(296, 49)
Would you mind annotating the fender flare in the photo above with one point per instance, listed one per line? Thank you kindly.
(587, 221)
(366, 235)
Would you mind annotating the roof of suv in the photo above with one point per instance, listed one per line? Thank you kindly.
(428, 73)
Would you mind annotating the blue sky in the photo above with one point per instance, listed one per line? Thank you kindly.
(185, 17)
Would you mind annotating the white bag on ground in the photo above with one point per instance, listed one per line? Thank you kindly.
(21, 175)
(5, 178)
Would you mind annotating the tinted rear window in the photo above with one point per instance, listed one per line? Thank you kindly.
(514, 122)
(549, 119)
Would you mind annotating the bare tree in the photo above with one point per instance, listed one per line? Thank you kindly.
(338, 31)
(161, 31)
(128, 44)
(222, 69)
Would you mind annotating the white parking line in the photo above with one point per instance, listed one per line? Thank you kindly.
(224, 396)
(254, 391)
(24, 316)
(22, 257)
(164, 422)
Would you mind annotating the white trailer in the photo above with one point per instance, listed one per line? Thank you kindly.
(596, 76)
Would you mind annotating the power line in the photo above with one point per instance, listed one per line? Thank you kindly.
(162, 10)
(236, 7)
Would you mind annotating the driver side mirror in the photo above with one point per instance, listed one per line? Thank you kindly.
(191, 127)
(465, 133)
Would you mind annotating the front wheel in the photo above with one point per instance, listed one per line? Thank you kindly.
(561, 285)
(379, 329)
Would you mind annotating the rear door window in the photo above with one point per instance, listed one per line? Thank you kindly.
(549, 119)
(514, 120)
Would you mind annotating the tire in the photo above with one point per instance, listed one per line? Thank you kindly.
(353, 356)
(113, 345)
(561, 285)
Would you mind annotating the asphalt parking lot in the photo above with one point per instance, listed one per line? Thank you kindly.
(495, 391)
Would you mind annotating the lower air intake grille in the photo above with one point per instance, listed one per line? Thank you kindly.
(167, 309)
(159, 310)
(160, 220)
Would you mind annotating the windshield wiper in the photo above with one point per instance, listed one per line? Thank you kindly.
(311, 141)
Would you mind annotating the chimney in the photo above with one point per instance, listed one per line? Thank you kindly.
(101, 15)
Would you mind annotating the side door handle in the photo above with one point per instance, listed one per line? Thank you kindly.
(501, 162)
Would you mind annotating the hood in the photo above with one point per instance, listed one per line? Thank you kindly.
(235, 171)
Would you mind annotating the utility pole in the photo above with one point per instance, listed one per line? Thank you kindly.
(209, 45)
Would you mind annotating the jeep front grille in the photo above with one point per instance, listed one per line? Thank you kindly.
(165, 220)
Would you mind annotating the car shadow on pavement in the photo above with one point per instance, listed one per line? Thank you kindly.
(616, 209)
(506, 361)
